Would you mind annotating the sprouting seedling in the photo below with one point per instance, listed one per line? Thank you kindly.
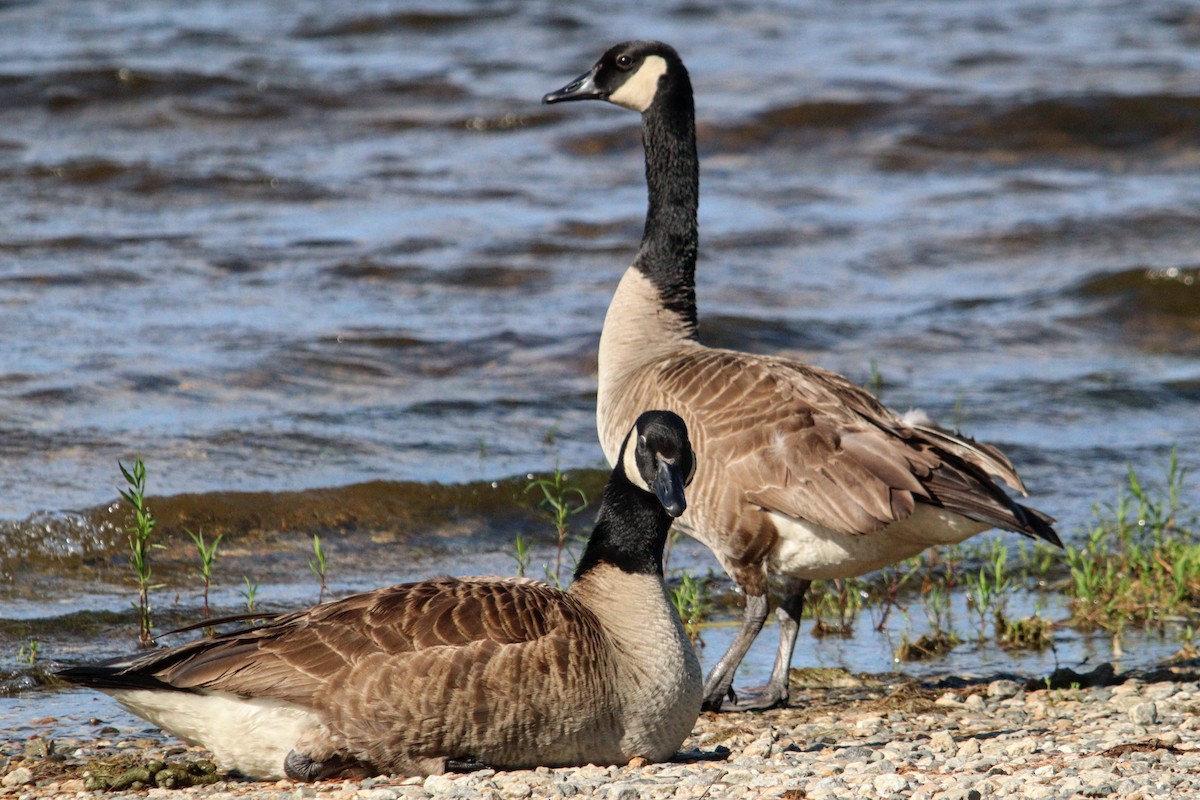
(29, 653)
(319, 566)
(561, 502)
(208, 557)
(139, 530)
(875, 382)
(521, 554)
(250, 593)
(692, 603)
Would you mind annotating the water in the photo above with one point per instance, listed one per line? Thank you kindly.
(275, 249)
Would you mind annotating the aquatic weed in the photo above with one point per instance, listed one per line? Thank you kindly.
(1140, 563)
(139, 531)
(521, 554)
(988, 589)
(692, 600)
(29, 653)
(561, 501)
(842, 604)
(250, 593)
(319, 567)
(1027, 633)
(208, 558)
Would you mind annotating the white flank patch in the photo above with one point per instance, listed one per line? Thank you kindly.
(251, 735)
(638, 90)
(807, 550)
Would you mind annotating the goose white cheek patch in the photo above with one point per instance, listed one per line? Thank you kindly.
(629, 464)
(638, 92)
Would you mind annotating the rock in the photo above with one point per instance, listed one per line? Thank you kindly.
(890, 784)
(438, 784)
(1002, 690)
(1094, 763)
(968, 748)
(21, 776)
(1021, 747)
(942, 742)
(37, 747)
(828, 788)
(521, 789)
(760, 747)
(1144, 714)
(975, 703)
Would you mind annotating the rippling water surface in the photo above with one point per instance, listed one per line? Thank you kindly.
(277, 247)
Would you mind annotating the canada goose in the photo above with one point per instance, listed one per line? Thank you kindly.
(805, 475)
(500, 672)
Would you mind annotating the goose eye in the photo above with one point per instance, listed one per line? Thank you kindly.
(624, 61)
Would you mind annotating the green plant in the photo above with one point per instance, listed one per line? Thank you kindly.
(693, 603)
(989, 587)
(319, 567)
(250, 593)
(561, 501)
(930, 645)
(1141, 563)
(894, 577)
(29, 653)
(521, 554)
(208, 558)
(937, 606)
(139, 531)
(1027, 633)
(842, 604)
(875, 382)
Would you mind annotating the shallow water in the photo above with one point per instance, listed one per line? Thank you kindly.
(275, 248)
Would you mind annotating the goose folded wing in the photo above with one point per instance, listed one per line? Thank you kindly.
(803, 442)
(301, 655)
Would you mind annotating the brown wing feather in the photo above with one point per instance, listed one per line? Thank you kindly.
(815, 446)
(297, 656)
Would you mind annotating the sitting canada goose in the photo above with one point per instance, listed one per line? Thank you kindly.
(804, 475)
(506, 673)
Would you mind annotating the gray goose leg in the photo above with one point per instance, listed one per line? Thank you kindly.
(720, 680)
(775, 693)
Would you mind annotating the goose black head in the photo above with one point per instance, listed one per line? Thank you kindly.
(630, 74)
(658, 458)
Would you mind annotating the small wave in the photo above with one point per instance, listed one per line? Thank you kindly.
(141, 178)
(370, 528)
(84, 278)
(69, 89)
(786, 124)
(1150, 290)
(473, 277)
(398, 22)
(770, 335)
(1059, 125)
(1155, 308)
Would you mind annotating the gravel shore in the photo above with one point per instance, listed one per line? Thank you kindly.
(1134, 736)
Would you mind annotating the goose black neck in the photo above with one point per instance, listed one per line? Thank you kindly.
(630, 533)
(671, 237)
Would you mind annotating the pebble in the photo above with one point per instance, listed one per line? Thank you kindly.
(1144, 713)
(20, 776)
(996, 739)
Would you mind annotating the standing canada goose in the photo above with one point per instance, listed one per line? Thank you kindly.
(506, 673)
(805, 475)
